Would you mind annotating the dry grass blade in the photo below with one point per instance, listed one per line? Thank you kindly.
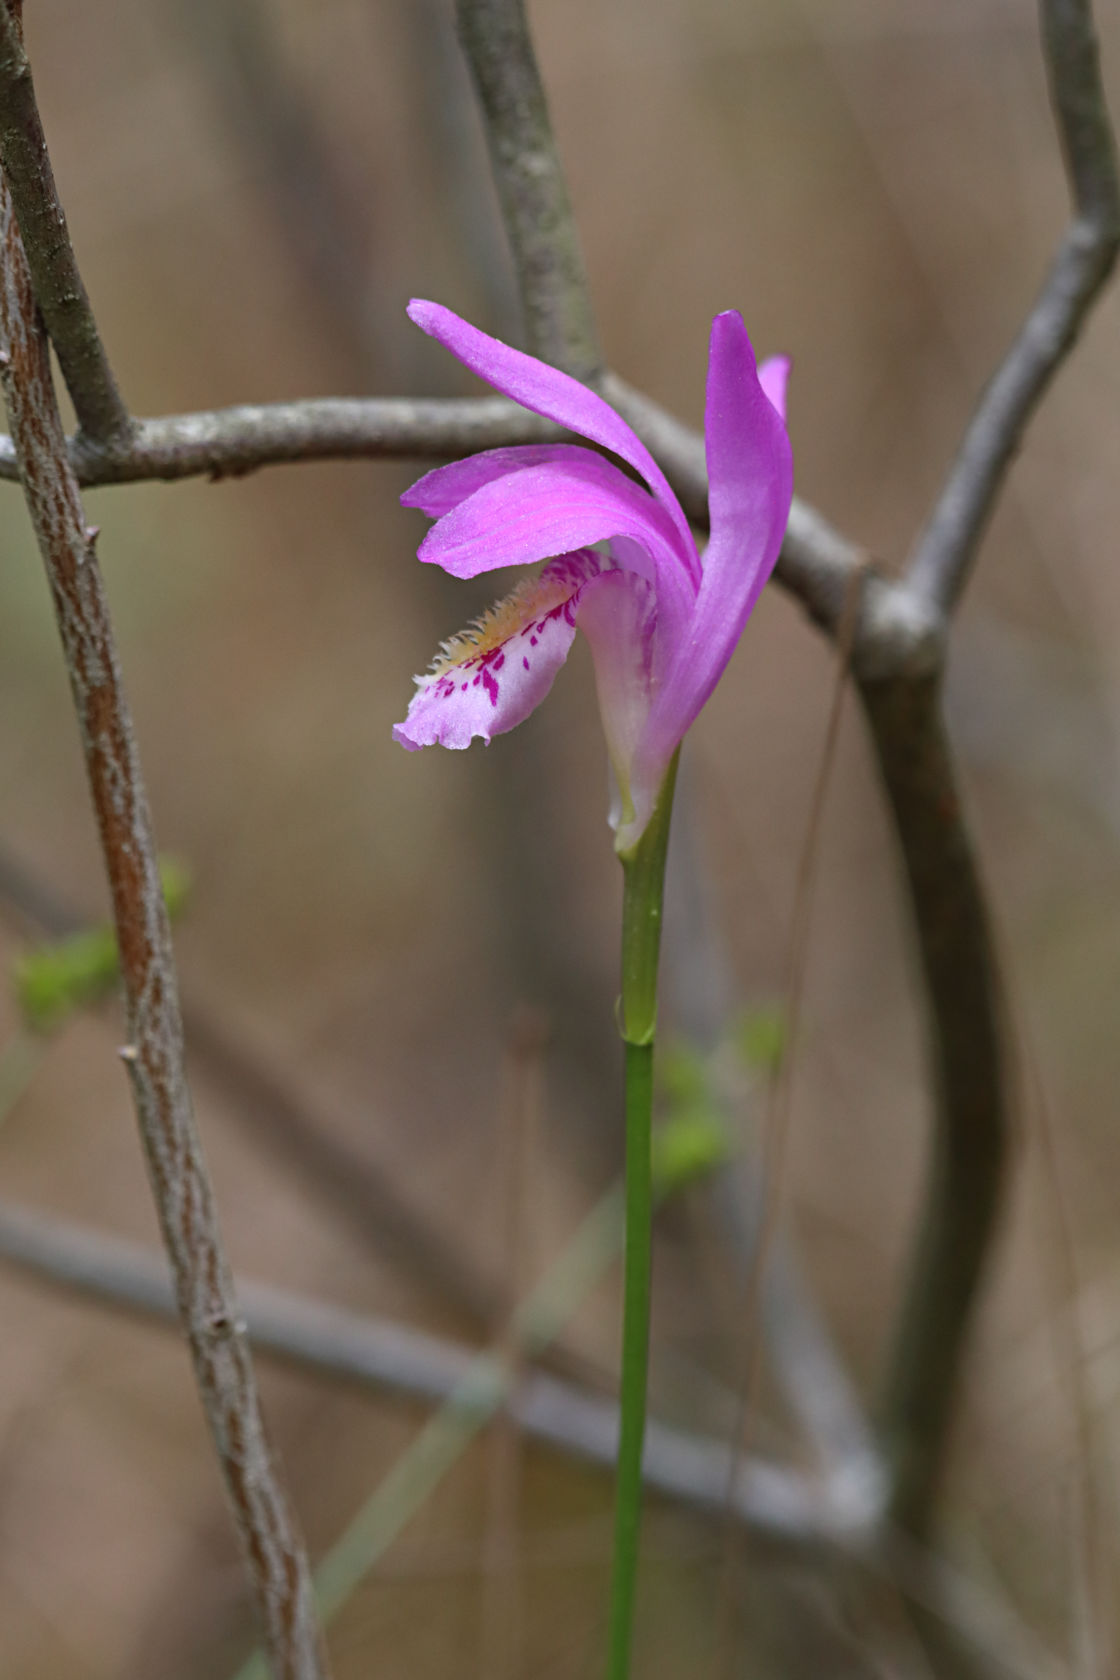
(776, 1120)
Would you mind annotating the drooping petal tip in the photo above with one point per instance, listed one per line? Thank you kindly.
(555, 395)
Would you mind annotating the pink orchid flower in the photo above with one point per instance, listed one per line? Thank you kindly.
(622, 563)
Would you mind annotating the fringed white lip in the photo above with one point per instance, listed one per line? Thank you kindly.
(489, 677)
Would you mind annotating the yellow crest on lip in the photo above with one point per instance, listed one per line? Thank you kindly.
(532, 599)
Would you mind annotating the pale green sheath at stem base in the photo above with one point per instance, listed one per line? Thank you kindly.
(643, 899)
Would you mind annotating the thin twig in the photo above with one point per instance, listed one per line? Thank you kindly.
(781, 1507)
(947, 548)
(531, 187)
(272, 1546)
(57, 283)
(776, 1504)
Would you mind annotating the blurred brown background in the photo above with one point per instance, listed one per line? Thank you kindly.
(255, 189)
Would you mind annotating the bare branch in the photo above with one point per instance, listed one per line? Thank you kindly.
(50, 256)
(272, 1546)
(947, 548)
(779, 1505)
(896, 631)
(531, 187)
(227, 442)
(971, 1101)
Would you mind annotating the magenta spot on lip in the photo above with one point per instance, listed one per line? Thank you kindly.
(532, 641)
(463, 688)
(525, 662)
(491, 687)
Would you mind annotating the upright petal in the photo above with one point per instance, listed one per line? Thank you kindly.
(546, 391)
(750, 476)
(488, 679)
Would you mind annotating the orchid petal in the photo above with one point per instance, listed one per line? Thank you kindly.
(489, 679)
(750, 475)
(552, 509)
(773, 376)
(445, 487)
(546, 391)
(618, 614)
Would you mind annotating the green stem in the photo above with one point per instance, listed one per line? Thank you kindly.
(643, 896)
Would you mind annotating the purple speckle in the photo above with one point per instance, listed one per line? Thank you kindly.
(525, 662)
(532, 641)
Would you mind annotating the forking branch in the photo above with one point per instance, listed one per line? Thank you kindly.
(947, 548)
(59, 290)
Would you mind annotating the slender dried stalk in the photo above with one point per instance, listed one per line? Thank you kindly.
(271, 1542)
(50, 256)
